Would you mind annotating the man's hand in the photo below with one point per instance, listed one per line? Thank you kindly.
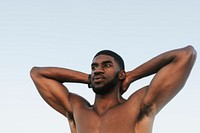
(126, 83)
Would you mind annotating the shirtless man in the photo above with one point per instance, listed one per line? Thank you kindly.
(111, 113)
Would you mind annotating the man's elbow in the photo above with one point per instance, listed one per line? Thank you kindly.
(190, 54)
(191, 50)
(34, 72)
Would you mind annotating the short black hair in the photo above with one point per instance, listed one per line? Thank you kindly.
(117, 57)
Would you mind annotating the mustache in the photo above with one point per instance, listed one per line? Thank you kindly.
(98, 76)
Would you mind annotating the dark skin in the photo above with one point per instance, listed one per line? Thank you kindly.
(111, 113)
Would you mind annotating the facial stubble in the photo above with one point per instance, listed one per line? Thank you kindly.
(107, 88)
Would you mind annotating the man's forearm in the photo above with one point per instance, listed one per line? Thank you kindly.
(154, 65)
(61, 74)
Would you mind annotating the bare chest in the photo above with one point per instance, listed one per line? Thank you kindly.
(113, 121)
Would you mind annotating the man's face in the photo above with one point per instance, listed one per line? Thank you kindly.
(104, 75)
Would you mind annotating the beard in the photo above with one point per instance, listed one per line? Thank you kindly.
(106, 88)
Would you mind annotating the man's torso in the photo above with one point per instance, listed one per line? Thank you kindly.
(122, 118)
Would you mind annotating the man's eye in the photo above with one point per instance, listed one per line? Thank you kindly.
(108, 65)
(93, 67)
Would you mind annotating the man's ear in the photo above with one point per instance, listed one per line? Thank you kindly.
(122, 75)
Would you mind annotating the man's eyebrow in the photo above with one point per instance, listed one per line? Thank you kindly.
(106, 61)
(93, 64)
(103, 62)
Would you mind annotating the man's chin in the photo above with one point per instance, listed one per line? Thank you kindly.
(102, 90)
(99, 90)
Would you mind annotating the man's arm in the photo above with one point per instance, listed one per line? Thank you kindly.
(171, 71)
(48, 81)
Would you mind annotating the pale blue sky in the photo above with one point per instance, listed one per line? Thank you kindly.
(67, 33)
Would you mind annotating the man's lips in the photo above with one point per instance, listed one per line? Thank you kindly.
(98, 78)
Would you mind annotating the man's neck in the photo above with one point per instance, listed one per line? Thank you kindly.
(105, 102)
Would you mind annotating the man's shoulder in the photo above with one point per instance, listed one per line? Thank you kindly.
(139, 94)
(144, 108)
(77, 100)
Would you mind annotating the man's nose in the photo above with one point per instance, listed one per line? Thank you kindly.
(99, 70)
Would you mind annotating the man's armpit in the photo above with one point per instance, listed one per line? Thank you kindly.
(146, 110)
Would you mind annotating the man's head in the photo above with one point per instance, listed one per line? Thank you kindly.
(107, 72)
(117, 57)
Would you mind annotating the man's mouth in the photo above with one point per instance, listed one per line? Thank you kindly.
(98, 78)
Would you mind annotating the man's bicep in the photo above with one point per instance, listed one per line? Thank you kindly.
(54, 93)
(166, 84)
(171, 71)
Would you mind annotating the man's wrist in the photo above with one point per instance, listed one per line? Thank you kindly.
(131, 76)
(89, 81)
